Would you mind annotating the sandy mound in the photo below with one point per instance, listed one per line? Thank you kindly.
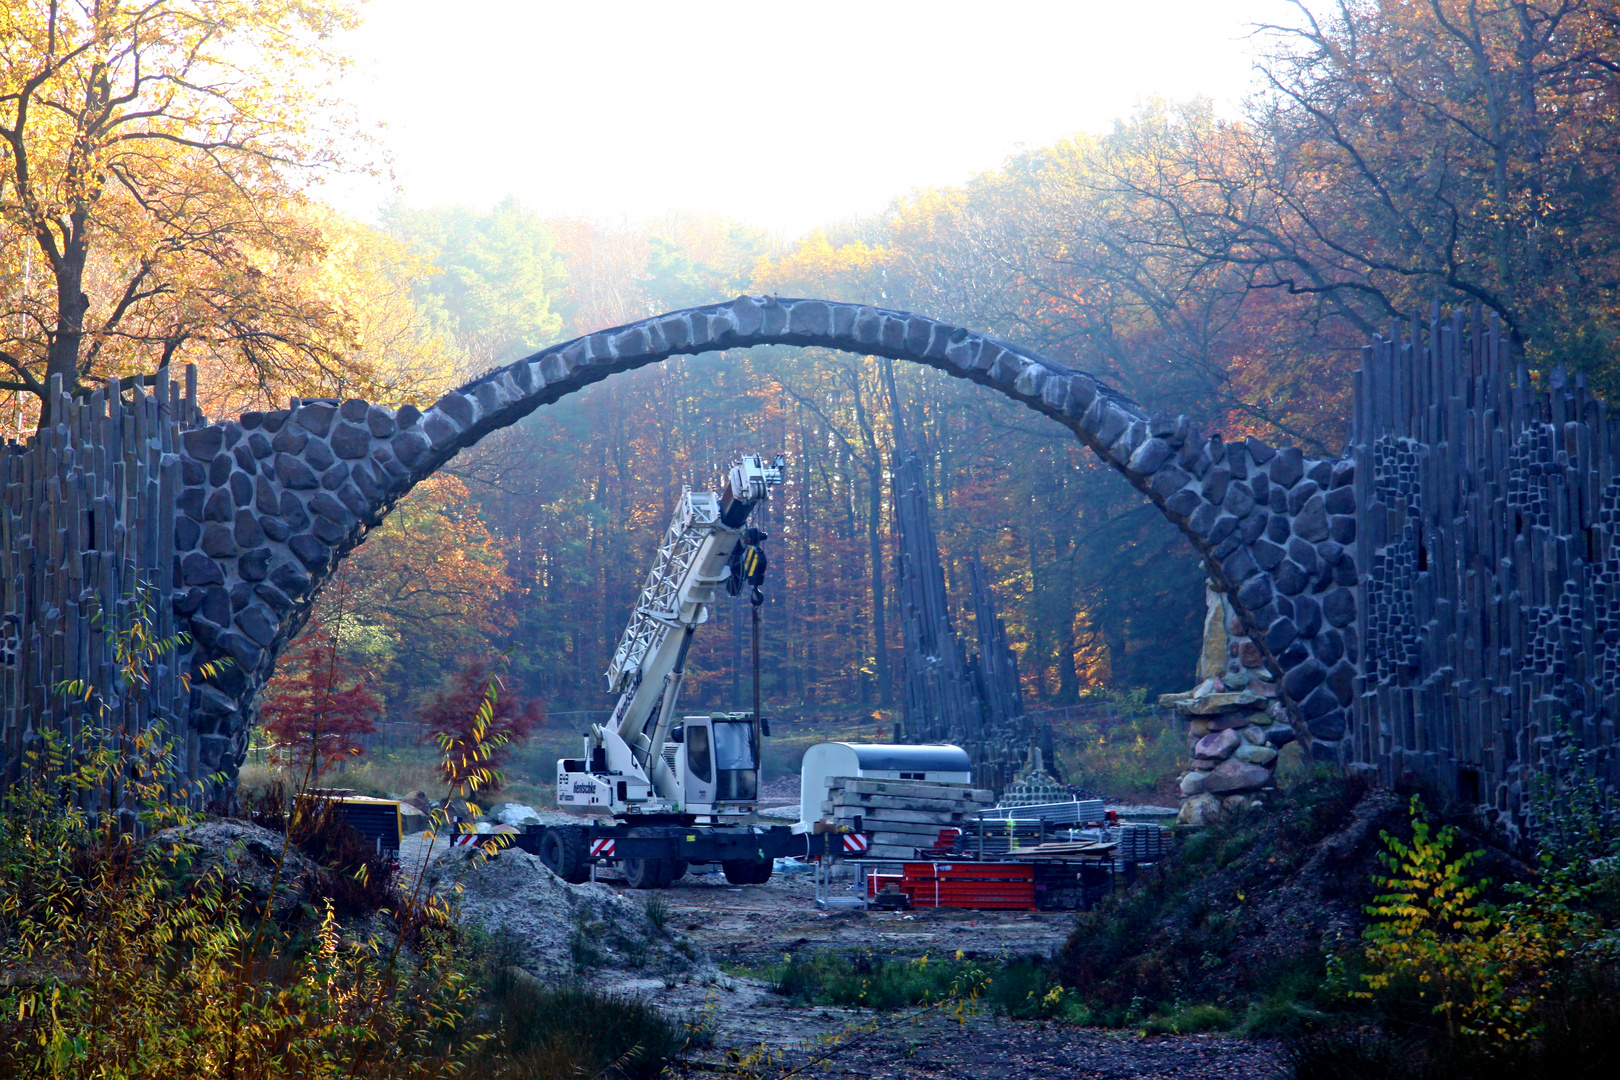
(246, 857)
(557, 927)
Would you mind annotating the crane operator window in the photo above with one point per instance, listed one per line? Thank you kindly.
(697, 752)
(735, 758)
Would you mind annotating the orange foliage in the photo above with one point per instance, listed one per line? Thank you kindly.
(317, 706)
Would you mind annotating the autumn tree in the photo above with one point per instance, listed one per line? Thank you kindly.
(1406, 152)
(428, 586)
(317, 706)
(495, 279)
(153, 186)
(450, 712)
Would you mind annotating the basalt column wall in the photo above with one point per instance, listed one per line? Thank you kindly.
(87, 542)
(1489, 511)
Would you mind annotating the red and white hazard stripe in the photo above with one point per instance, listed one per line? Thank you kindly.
(855, 842)
(601, 849)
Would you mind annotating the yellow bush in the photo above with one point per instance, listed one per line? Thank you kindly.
(1484, 968)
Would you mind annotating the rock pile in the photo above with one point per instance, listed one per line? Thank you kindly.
(246, 857)
(1235, 722)
(556, 927)
(1034, 786)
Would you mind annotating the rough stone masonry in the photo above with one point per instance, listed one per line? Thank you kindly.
(272, 500)
(267, 504)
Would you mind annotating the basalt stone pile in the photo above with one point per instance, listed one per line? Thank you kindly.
(1235, 722)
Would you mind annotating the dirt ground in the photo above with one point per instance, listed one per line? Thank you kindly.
(743, 928)
(752, 925)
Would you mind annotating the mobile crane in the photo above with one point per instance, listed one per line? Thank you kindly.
(682, 789)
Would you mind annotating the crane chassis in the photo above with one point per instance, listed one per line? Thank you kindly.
(682, 790)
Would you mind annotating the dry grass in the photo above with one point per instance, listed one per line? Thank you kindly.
(1138, 756)
(529, 772)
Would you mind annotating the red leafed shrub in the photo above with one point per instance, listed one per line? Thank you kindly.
(452, 711)
(317, 706)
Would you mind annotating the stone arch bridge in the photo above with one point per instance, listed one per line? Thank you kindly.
(271, 502)
(263, 507)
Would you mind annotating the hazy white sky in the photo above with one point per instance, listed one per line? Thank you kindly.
(784, 115)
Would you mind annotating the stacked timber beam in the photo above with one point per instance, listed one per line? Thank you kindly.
(901, 816)
(86, 538)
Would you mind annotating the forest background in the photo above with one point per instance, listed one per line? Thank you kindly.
(159, 204)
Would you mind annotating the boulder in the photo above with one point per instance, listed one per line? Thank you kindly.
(1255, 755)
(412, 819)
(1235, 776)
(1199, 810)
(1215, 704)
(1217, 744)
(1234, 721)
(515, 814)
(1212, 659)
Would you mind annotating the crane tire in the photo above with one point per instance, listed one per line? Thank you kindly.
(747, 871)
(562, 851)
(649, 873)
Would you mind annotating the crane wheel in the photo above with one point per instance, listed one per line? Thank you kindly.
(747, 871)
(562, 851)
(649, 873)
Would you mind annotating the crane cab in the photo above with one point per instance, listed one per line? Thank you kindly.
(715, 760)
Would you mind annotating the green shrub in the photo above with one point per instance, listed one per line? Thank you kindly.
(1193, 1020)
(1137, 757)
(571, 1031)
(1296, 999)
(120, 964)
(1355, 1054)
(120, 960)
(1020, 988)
(657, 909)
(1455, 986)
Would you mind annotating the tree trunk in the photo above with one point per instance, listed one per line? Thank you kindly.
(62, 356)
(874, 547)
(811, 629)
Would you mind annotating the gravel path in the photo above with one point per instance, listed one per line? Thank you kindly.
(759, 924)
(987, 1048)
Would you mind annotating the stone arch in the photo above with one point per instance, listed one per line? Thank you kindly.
(272, 501)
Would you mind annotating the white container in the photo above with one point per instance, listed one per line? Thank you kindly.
(875, 761)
